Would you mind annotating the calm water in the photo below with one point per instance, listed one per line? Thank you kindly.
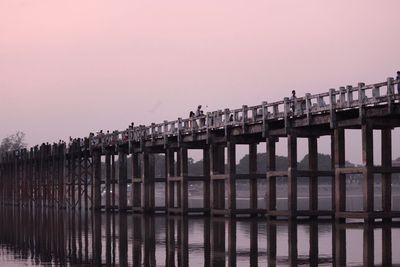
(49, 237)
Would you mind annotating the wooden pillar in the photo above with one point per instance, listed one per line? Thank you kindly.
(217, 186)
(368, 162)
(88, 173)
(96, 198)
(340, 179)
(386, 165)
(169, 202)
(231, 183)
(206, 174)
(333, 190)
(313, 166)
(79, 175)
(72, 175)
(253, 176)
(184, 183)
(292, 174)
(113, 181)
(61, 174)
(136, 181)
(148, 182)
(271, 166)
(108, 181)
(122, 178)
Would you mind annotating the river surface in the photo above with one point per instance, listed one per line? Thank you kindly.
(43, 237)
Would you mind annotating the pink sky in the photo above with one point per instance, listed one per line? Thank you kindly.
(72, 67)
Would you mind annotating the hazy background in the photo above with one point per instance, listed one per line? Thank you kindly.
(72, 67)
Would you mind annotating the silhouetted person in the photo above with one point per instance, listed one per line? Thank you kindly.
(198, 111)
(293, 101)
(398, 80)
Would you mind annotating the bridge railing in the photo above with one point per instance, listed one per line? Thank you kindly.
(343, 98)
(348, 97)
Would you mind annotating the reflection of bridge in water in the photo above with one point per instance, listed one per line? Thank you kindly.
(78, 238)
(73, 176)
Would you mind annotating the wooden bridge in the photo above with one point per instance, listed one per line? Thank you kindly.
(72, 175)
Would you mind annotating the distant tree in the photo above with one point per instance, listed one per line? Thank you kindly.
(13, 142)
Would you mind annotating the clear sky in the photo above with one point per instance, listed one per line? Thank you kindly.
(72, 67)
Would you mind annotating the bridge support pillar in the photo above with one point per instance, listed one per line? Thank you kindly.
(271, 179)
(108, 181)
(253, 177)
(368, 162)
(96, 197)
(340, 178)
(122, 179)
(217, 183)
(147, 185)
(313, 166)
(386, 135)
(292, 174)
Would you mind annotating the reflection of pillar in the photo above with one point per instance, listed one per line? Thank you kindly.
(97, 239)
(339, 245)
(183, 241)
(387, 175)
(254, 243)
(271, 244)
(170, 242)
(108, 239)
(137, 241)
(149, 240)
(292, 242)
(368, 248)
(314, 243)
(123, 240)
(207, 241)
(386, 244)
(231, 242)
(217, 242)
(122, 179)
